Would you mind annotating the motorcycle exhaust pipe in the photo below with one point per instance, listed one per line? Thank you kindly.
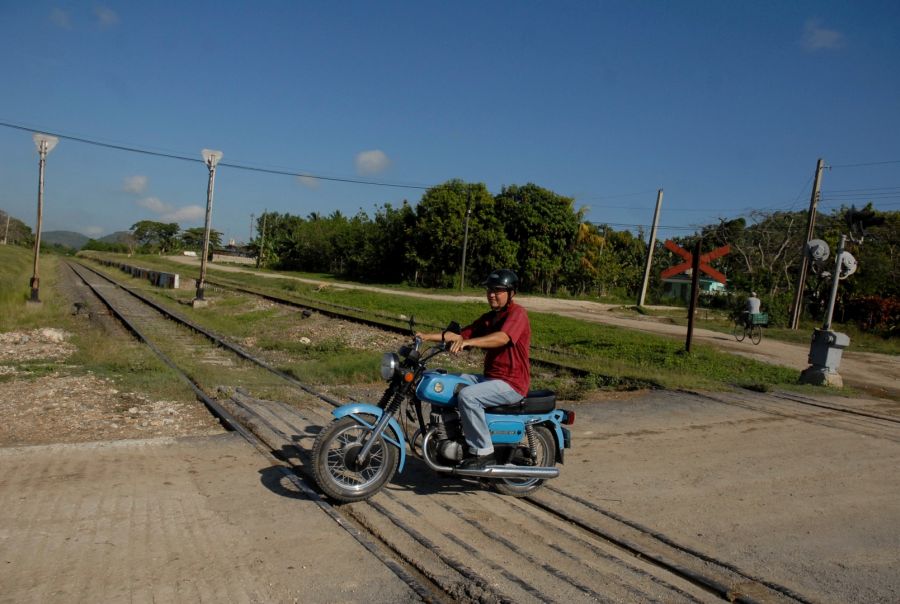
(489, 471)
(510, 472)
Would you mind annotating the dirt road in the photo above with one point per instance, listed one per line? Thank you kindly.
(196, 519)
(875, 373)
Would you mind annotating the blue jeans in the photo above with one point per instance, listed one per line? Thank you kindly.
(483, 393)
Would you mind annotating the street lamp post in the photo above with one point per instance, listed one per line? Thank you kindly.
(211, 158)
(44, 144)
(462, 272)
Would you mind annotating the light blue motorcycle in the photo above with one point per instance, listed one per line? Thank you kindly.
(359, 452)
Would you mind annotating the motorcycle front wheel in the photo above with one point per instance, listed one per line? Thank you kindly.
(335, 466)
(545, 446)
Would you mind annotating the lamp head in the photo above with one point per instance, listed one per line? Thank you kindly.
(44, 142)
(211, 157)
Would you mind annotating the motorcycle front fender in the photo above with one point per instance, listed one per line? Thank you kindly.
(356, 410)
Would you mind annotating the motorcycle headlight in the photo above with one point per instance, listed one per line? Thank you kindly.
(389, 364)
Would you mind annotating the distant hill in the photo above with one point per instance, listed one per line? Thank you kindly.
(68, 239)
(117, 237)
(76, 241)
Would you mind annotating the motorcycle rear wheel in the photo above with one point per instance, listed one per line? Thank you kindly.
(520, 456)
(334, 460)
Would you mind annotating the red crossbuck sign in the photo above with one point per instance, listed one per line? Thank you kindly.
(689, 258)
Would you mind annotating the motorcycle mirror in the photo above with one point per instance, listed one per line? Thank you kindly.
(412, 323)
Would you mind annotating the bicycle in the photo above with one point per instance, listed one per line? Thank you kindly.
(746, 324)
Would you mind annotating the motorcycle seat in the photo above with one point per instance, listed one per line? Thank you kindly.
(537, 401)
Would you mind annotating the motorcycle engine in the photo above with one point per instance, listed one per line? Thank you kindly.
(450, 443)
(451, 450)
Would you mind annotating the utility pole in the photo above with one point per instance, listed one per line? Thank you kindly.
(262, 239)
(44, 144)
(462, 274)
(210, 158)
(810, 225)
(251, 228)
(650, 246)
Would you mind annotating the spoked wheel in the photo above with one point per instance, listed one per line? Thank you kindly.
(740, 330)
(335, 465)
(756, 334)
(545, 446)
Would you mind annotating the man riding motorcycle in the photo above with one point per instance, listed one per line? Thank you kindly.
(505, 333)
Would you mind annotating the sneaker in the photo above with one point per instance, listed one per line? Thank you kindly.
(477, 462)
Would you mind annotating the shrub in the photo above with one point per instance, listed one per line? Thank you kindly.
(875, 314)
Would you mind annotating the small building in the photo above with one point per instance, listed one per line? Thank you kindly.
(679, 286)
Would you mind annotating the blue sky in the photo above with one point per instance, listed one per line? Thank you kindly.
(724, 105)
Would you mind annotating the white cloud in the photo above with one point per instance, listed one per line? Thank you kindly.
(154, 204)
(816, 37)
(309, 182)
(106, 17)
(169, 213)
(93, 231)
(135, 184)
(60, 18)
(372, 162)
(187, 213)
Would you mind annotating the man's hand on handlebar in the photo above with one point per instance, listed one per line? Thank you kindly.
(450, 341)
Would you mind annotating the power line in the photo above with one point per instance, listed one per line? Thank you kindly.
(618, 196)
(874, 163)
(861, 190)
(95, 143)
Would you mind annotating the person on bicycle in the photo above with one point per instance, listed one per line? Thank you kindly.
(505, 333)
(752, 307)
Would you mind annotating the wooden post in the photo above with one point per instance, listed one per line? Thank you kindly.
(695, 289)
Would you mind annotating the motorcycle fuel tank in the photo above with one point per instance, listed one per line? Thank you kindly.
(440, 388)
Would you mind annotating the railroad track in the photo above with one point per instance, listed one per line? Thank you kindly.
(812, 411)
(449, 539)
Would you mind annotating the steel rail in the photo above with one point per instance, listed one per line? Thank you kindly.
(854, 428)
(695, 578)
(232, 423)
(217, 339)
(814, 403)
(403, 330)
(415, 535)
(716, 587)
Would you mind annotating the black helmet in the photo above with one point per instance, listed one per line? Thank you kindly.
(502, 278)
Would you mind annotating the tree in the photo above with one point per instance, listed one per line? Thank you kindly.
(391, 251)
(105, 246)
(582, 269)
(156, 236)
(764, 256)
(192, 239)
(544, 225)
(440, 230)
(19, 232)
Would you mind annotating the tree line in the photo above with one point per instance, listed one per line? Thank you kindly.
(152, 237)
(545, 239)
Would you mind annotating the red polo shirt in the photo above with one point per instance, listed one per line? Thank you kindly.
(509, 363)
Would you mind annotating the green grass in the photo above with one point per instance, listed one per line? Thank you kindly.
(132, 367)
(616, 358)
(717, 320)
(16, 269)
